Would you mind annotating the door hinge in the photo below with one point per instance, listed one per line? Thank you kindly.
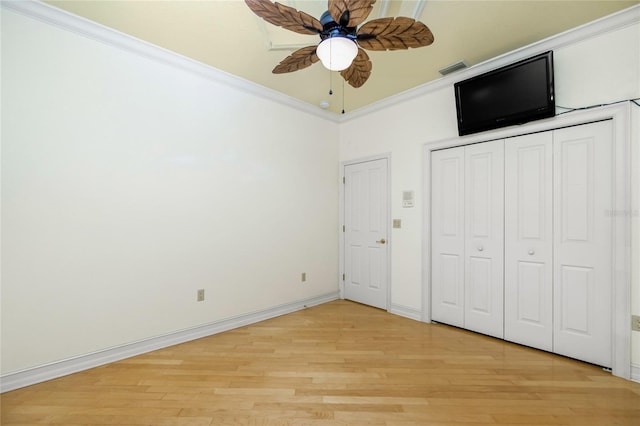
(343, 277)
(343, 228)
(344, 180)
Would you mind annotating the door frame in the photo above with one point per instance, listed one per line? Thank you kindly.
(620, 114)
(341, 233)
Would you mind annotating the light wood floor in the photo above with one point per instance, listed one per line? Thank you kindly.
(336, 364)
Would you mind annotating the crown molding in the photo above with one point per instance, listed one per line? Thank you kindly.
(615, 21)
(95, 31)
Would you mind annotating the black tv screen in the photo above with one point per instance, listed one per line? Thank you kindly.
(514, 94)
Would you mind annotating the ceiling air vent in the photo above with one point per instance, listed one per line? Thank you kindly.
(460, 65)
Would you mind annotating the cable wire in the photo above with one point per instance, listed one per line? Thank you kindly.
(570, 109)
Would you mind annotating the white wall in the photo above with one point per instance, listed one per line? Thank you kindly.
(128, 184)
(402, 129)
(599, 69)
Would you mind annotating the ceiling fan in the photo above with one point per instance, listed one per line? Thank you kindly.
(342, 42)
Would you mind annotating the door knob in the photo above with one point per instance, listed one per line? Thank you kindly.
(532, 252)
(480, 248)
(381, 241)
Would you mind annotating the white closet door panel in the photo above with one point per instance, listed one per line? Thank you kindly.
(447, 236)
(528, 267)
(484, 238)
(582, 242)
(480, 291)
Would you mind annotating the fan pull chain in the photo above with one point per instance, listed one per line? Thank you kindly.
(343, 96)
(330, 83)
(330, 67)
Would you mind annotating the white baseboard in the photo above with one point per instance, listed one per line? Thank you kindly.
(65, 367)
(405, 311)
(635, 372)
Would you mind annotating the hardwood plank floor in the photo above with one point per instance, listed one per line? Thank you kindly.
(340, 363)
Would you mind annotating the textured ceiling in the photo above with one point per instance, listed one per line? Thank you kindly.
(228, 36)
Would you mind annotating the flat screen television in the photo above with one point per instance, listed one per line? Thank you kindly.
(513, 94)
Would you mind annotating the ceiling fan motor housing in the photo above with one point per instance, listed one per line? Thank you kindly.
(331, 28)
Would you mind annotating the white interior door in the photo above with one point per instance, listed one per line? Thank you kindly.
(528, 268)
(447, 236)
(582, 242)
(366, 222)
(484, 238)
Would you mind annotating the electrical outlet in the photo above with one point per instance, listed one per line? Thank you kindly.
(303, 277)
(200, 297)
(635, 322)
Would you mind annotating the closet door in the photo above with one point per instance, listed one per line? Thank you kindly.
(447, 236)
(484, 238)
(582, 242)
(528, 270)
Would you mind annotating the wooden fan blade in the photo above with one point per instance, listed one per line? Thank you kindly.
(394, 34)
(359, 71)
(301, 58)
(358, 10)
(285, 16)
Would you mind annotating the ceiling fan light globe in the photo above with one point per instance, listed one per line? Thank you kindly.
(337, 53)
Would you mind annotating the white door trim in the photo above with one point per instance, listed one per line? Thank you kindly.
(620, 114)
(341, 269)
